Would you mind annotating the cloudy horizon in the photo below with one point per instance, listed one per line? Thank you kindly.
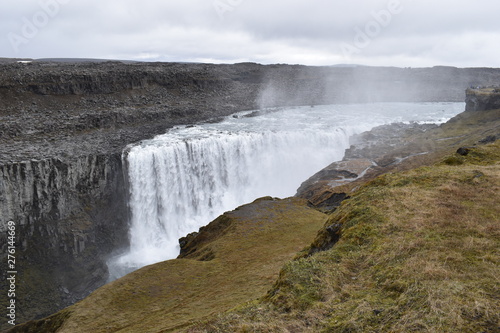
(402, 33)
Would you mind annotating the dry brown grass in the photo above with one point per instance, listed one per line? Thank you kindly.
(419, 252)
(173, 294)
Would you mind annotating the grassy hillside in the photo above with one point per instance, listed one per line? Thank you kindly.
(419, 251)
(239, 264)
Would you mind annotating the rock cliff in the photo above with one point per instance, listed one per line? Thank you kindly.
(481, 99)
(68, 214)
(64, 125)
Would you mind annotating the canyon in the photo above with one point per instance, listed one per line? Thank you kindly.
(64, 126)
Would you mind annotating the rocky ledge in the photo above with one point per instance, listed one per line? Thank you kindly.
(370, 153)
(480, 99)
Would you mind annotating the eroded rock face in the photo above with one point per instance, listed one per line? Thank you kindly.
(69, 216)
(39, 189)
(482, 99)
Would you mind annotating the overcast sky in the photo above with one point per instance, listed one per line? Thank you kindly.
(405, 33)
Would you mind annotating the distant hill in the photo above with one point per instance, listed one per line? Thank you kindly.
(82, 60)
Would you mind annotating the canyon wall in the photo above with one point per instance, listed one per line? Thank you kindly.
(69, 216)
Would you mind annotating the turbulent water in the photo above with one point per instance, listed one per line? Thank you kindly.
(185, 178)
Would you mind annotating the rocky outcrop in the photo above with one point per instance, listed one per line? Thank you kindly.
(41, 189)
(370, 153)
(482, 99)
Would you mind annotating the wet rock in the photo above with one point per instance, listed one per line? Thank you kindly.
(383, 139)
(369, 153)
(69, 214)
(336, 174)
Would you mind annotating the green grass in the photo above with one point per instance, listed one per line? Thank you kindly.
(418, 252)
(258, 239)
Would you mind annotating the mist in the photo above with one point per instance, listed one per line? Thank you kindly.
(301, 85)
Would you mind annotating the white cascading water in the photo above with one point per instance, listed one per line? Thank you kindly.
(185, 178)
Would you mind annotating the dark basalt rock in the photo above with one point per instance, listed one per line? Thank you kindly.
(69, 217)
(464, 151)
(481, 99)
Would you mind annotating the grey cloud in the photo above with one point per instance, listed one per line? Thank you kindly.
(311, 32)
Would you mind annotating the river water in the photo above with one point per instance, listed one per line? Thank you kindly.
(183, 179)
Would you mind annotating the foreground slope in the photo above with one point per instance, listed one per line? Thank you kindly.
(415, 251)
(240, 262)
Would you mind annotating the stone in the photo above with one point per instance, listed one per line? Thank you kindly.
(488, 139)
(464, 151)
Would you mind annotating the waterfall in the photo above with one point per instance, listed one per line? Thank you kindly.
(179, 187)
(184, 179)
